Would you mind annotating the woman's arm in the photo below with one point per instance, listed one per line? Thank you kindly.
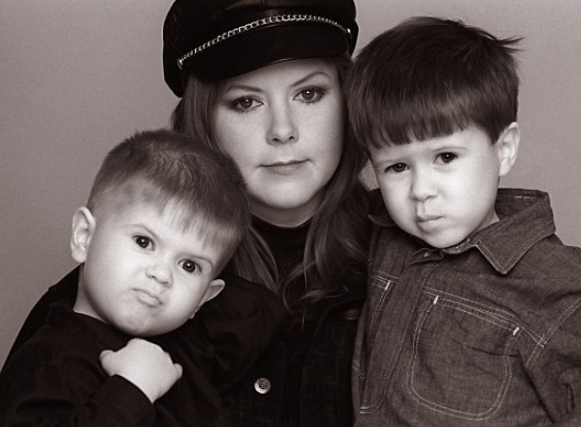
(65, 290)
(229, 333)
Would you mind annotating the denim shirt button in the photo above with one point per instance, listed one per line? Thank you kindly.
(262, 385)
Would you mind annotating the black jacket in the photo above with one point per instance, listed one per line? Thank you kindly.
(216, 349)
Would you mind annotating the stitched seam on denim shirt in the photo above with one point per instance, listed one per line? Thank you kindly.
(504, 315)
(503, 267)
(389, 372)
(487, 316)
(375, 315)
(547, 336)
(446, 410)
(374, 321)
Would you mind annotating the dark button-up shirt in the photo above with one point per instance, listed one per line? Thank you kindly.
(485, 333)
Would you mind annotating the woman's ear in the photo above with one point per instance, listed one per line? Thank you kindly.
(84, 225)
(214, 288)
(508, 143)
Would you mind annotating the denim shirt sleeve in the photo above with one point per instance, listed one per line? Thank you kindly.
(556, 373)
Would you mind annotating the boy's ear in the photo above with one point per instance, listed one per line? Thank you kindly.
(508, 143)
(213, 290)
(84, 224)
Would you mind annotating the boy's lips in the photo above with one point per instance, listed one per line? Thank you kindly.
(148, 298)
(428, 220)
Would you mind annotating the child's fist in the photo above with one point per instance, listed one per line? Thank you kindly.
(145, 365)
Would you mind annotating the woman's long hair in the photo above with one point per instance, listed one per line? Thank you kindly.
(337, 243)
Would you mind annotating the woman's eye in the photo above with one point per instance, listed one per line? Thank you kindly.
(310, 95)
(190, 266)
(142, 241)
(447, 157)
(244, 104)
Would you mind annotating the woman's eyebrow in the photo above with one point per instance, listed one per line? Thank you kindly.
(242, 87)
(311, 76)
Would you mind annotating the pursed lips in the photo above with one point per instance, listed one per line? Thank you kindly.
(425, 219)
(147, 297)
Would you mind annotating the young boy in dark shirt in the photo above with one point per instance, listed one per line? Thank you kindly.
(164, 216)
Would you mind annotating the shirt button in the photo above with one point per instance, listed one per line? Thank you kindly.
(262, 385)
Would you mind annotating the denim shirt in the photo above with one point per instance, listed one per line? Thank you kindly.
(485, 333)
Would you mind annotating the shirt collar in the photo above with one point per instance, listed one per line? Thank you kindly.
(525, 216)
(62, 315)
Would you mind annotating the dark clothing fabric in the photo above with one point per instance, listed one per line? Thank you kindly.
(303, 379)
(54, 375)
(55, 379)
(285, 388)
(485, 333)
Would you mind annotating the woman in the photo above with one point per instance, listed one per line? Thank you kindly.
(261, 82)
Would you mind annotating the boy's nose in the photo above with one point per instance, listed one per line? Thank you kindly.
(423, 186)
(160, 272)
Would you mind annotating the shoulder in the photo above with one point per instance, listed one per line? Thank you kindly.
(550, 257)
(66, 344)
(242, 298)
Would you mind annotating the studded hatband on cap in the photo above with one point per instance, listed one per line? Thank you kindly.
(238, 36)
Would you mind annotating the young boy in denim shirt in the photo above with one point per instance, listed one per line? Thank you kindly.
(473, 314)
(164, 216)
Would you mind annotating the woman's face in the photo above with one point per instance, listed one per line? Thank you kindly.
(283, 125)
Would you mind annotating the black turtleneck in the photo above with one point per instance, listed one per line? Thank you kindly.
(287, 245)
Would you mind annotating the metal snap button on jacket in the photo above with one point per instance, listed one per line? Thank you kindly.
(262, 385)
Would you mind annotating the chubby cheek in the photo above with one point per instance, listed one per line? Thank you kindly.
(394, 198)
(398, 206)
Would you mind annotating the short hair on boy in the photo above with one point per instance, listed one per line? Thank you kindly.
(429, 77)
(163, 167)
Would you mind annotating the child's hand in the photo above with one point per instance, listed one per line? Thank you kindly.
(145, 365)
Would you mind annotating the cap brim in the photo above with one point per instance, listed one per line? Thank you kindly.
(256, 49)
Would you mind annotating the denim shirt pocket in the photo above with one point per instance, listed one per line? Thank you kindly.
(461, 357)
(368, 384)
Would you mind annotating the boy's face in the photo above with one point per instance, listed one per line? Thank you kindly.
(143, 274)
(442, 190)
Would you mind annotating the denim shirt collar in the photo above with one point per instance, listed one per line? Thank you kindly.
(525, 216)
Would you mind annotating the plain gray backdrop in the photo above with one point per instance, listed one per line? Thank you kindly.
(77, 77)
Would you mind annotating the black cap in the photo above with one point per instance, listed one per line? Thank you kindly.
(218, 39)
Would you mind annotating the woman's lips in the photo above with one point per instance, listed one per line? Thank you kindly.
(285, 168)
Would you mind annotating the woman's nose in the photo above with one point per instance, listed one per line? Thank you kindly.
(282, 126)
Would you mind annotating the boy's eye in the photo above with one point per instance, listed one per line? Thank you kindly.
(397, 168)
(190, 266)
(447, 157)
(142, 241)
